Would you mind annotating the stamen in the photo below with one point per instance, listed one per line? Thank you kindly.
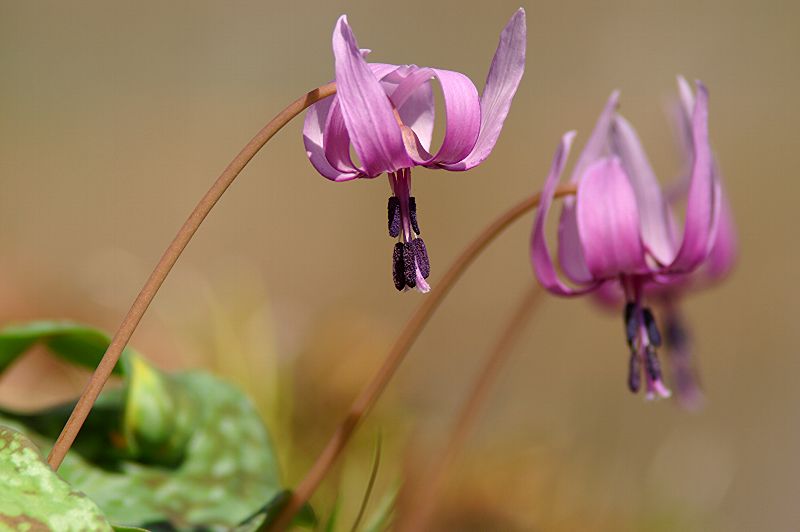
(409, 266)
(652, 329)
(651, 364)
(421, 254)
(634, 372)
(412, 209)
(394, 216)
(631, 323)
(398, 270)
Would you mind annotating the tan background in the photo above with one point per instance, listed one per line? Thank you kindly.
(115, 117)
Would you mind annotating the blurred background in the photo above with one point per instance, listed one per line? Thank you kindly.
(116, 117)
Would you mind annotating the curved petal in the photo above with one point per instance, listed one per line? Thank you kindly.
(653, 208)
(540, 255)
(313, 139)
(703, 202)
(463, 119)
(365, 107)
(570, 250)
(725, 248)
(598, 144)
(505, 74)
(418, 112)
(608, 221)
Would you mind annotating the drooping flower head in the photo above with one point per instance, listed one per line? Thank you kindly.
(386, 113)
(620, 229)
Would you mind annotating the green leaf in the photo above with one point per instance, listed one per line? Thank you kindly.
(184, 450)
(76, 343)
(381, 518)
(33, 497)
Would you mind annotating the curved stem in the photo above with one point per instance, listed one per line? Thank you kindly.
(424, 501)
(165, 264)
(370, 394)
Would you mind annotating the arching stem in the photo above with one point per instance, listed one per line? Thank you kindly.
(372, 391)
(164, 266)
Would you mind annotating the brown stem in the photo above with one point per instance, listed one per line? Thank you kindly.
(165, 264)
(370, 394)
(423, 503)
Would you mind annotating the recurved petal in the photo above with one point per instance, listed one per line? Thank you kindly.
(463, 115)
(505, 74)
(608, 221)
(725, 247)
(570, 251)
(653, 208)
(598, 144)
(540, 254)
(704, 197)
(313, 139)
(365, 107)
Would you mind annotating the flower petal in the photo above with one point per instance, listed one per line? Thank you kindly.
(598, 144)
(608, 221)
(653, 207)
(365, 107)
(570, 250)
(725, 248)
(540, 255)
(502, 82)
(463, 115)
(313, 139)
(704, 198)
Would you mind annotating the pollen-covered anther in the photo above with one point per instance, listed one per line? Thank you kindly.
(631, 323)
(398, 270)
(651, 364)
(653, 334)
(634, 372)
(421, 255)
(409, 265)
(394, 217)
(412, 212)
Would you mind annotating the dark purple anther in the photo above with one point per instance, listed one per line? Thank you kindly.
(412, 210)
(421, 254)
(676, 335)
(409, 265)
(651, 364)
(398, 270)
(394, 217)
(634, 373)
(652, 329)
(631, 322)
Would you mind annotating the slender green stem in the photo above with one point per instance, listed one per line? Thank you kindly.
(372, 391)
(423, 500)
(164, 266)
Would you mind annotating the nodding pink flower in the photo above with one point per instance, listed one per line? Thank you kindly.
(386, 113)
(619, 228)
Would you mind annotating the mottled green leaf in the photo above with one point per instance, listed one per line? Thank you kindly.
(33, 497)
(228, 468)
(76, 343)
(185, 450)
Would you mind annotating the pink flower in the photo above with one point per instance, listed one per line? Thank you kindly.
(386, 113)
(619, 229)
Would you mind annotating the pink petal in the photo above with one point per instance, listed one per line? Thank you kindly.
(608, 221)
(570, 250)
(463, 114)
(313, 138)
(365, 107)
(653, 207)
(598, 144)
(502, 82)
(540, 254)
(703, 203)
(725, 248)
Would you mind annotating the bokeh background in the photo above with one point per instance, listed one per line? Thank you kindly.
(116, 116)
